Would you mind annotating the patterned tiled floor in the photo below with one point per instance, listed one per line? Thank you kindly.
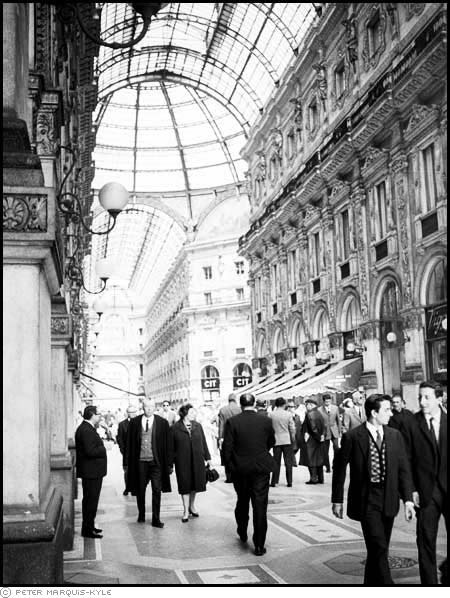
(305, 543)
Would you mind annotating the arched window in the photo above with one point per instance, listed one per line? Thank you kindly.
(437, 285)
(436, 322)
(209, 371)
(210, 379)
(242, 375)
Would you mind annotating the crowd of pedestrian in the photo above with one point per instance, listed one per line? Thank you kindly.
(392, 453)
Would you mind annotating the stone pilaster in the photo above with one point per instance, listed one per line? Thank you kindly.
(61, 459)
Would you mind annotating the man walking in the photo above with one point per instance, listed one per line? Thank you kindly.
(91, 465)
(121, 438)
(428, 458)
(168, 413)
(402, 419)
(225, 413)
(379, 475)
(284, 429)
(247, 440)
(148, 452)
(330, 414)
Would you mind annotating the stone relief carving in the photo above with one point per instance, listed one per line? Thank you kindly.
(420, 112)
(321, 83)
(45, 133)
(414, 9)
(261, 166)
(403, 218)
(391, 8)
(372, 49)
(24, 213)
(298, 113)
(277, 142)
(372, 155)
(351, 40)
(60, 325)
(360, 246)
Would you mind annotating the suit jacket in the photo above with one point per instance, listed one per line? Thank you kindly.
(355, 450)
(404, 422)
(247, 440)
(90, 452)
(332, 422)
(161, 447)
(283, 426)
(225, 413)
(427, 469)
(121, 438)
(351, 419)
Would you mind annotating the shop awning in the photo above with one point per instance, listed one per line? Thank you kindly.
(276, 382)
(339, 377)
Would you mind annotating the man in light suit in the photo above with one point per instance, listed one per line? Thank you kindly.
(330, 414)
(248, 438)
(356, 415)
(428, 458)
(91, 464)
(284, 428)
(379, 475)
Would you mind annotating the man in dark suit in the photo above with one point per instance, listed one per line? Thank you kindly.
(247, 440)
(225, 413)
(91, 468)
(121, 438)
(402, 419)
(330, 414)
(379, 475)
(148, 452)
(428, 458)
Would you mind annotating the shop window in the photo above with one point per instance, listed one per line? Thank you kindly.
(207, 272)
(436, 323)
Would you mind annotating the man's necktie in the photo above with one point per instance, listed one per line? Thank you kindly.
(433, 434)
(378, 440)
(146, 426)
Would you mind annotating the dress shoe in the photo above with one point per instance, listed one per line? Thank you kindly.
(141, 519)
(158, 524)
(125, 492)
(289, 485)
(272, 485)
(242, 536)
(311, 482)
(184, 519)
(228, 481)
(97, 530)
(92, 535)
(260, 550)
(194, 513)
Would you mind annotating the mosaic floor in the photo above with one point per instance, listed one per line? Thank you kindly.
(305, 543)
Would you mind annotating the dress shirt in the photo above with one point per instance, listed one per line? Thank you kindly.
(150, 422)
(436, 422)
(373, 431)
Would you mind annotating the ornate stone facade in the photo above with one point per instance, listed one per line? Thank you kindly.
(355, 192)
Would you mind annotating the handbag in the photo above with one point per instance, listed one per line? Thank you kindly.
(211, 474)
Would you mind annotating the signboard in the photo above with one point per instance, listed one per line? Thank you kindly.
(240, 381)
(210, 383)
(434, 318)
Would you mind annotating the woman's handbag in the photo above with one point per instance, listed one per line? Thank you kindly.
(211, 474)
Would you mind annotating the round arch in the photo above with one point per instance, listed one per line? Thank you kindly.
(278, 341)
(321, 322)
(261, 346)
(425, 275)
(377, 297)
(350, 317)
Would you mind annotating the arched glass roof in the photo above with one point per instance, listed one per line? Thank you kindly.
(173, 114)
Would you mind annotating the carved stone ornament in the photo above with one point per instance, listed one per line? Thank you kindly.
(371, 55)
(60, 325)
(337, 97)
(414, 9)
(321, 83)
(298, 113)
(373, 154)
(420, 114)
(351, 40)
(276, 139)
(261, 166)
(335, 340)
(412, 320)
(403, 219)
(338, 189)
(24, 213)
(391, 8)
(368, 331)
(45, 133)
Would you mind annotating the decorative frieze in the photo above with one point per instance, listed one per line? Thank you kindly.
(25, 213)
(403, 218)
(421, 117)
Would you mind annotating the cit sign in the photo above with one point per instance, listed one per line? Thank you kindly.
(240, 381)
(210, 383)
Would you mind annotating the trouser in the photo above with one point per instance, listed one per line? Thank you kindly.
(326, 453)
(252, 487)
(89, 504)
(288, 457)
(427, 530)
(125, 477)
(225, 467)
(316, 474)
(377, 529)
(149, 471)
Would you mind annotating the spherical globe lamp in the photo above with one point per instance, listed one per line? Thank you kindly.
(113, 197)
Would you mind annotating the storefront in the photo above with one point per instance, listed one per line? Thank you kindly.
(210, 384)
(436, 324)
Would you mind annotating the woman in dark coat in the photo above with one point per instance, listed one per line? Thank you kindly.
(190, 452)
(312, 442)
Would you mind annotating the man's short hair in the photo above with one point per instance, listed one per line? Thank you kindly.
(184, 410)
(326, 396)
(436, 386)
(261, 403)
(247, 399)
(89, 411)
(232, 397)
(373, 402)
(279, 402)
